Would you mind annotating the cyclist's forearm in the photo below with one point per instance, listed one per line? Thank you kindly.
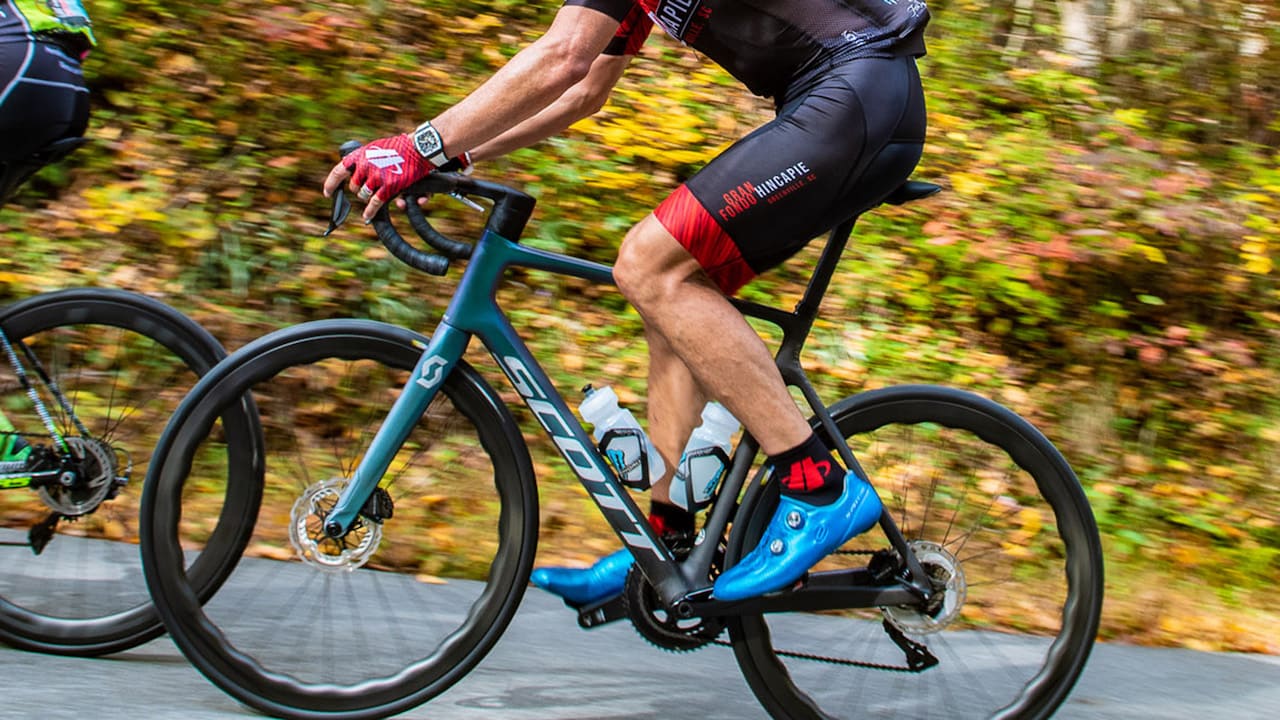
(530, 82)
(582, 100)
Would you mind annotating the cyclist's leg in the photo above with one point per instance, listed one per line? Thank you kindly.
(43, 99)
(749, 210)
(674, 409)
(675, 406)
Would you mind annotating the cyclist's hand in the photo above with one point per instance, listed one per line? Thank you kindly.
(379, 171)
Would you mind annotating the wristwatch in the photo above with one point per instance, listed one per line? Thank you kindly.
(426, 140)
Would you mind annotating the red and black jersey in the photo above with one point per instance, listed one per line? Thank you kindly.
(772, 44)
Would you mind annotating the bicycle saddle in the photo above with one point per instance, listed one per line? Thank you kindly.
(911, 190)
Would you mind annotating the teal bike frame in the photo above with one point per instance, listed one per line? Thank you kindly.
(474, 312)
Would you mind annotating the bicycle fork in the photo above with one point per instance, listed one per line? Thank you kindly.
(437, 361)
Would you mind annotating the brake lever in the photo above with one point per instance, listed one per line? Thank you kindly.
(341, 205)
(341, 208)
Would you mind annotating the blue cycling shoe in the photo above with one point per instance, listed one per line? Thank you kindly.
(798, 536)
(584, 586)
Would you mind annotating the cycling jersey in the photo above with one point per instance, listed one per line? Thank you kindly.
(773, 45)
(23, 20)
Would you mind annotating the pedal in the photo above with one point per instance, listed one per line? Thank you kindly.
(602, 612)
(883, 567)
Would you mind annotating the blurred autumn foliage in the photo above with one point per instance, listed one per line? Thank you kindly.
(1103, 261)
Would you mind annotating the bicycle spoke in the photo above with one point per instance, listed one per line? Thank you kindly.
(107, 369)
(380, 613)
(994, 537)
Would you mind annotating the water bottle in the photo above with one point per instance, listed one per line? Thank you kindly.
(705, 458)
(621, 439)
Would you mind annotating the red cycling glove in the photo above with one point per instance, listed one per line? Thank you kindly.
(386, 167)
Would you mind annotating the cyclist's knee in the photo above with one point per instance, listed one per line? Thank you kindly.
(651, 263)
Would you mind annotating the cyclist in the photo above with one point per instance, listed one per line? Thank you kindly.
(43, 97)
(844, 81)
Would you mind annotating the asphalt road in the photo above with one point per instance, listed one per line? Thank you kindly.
(546, 668)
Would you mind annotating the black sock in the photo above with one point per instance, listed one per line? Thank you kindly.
(667, 519)
(809, 471)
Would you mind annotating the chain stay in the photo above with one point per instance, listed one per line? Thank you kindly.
(918, 656)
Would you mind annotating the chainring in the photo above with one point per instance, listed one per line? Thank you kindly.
(659, 625)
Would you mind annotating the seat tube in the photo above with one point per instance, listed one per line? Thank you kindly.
(441, 355)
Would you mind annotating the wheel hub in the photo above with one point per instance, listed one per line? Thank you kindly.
(82, 484)
(949, 590)
(314, 546)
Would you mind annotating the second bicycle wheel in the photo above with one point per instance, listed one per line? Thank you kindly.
(1000, 524)
(108, 367)
(401, 607)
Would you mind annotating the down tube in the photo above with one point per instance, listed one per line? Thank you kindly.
(438, 360)
(577, 449)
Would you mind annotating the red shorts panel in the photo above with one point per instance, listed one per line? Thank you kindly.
(699, 233)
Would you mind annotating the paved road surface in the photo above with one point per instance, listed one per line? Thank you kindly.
(545, 668)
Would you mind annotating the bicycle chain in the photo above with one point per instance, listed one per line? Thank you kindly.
(919, 658)
(843, 661)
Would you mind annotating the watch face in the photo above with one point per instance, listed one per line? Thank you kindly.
(426, 140)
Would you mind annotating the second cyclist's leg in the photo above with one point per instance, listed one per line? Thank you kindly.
(675, 403)
(45, 101)
(697, 323)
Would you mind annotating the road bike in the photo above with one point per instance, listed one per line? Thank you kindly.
(389, 531)
(88, 378)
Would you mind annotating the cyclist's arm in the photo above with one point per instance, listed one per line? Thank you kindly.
(533, 79)
(582, 100)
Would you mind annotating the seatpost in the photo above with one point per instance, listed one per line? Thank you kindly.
(807, 309)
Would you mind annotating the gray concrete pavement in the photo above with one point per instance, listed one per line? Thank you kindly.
(546, 668)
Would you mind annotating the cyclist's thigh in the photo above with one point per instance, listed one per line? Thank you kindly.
(801, 174)
(42, 98)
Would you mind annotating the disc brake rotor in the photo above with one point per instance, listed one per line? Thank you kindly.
(80, 490)
(314, 547)
(949, 588)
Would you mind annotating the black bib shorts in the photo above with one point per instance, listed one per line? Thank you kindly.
(836, 148)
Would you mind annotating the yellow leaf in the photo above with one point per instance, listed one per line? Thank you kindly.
(1259, 265)
(968, 184)
(1153, 254)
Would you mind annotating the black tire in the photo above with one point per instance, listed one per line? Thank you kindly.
(1001, 503)
(124, 362)
(287, 635)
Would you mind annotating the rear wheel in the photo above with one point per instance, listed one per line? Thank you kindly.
(401, 607)
(122, 362)
(1000, 524)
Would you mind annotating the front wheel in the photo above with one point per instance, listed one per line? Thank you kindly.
(108, 367)
(377, 621)
(1000, 524)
